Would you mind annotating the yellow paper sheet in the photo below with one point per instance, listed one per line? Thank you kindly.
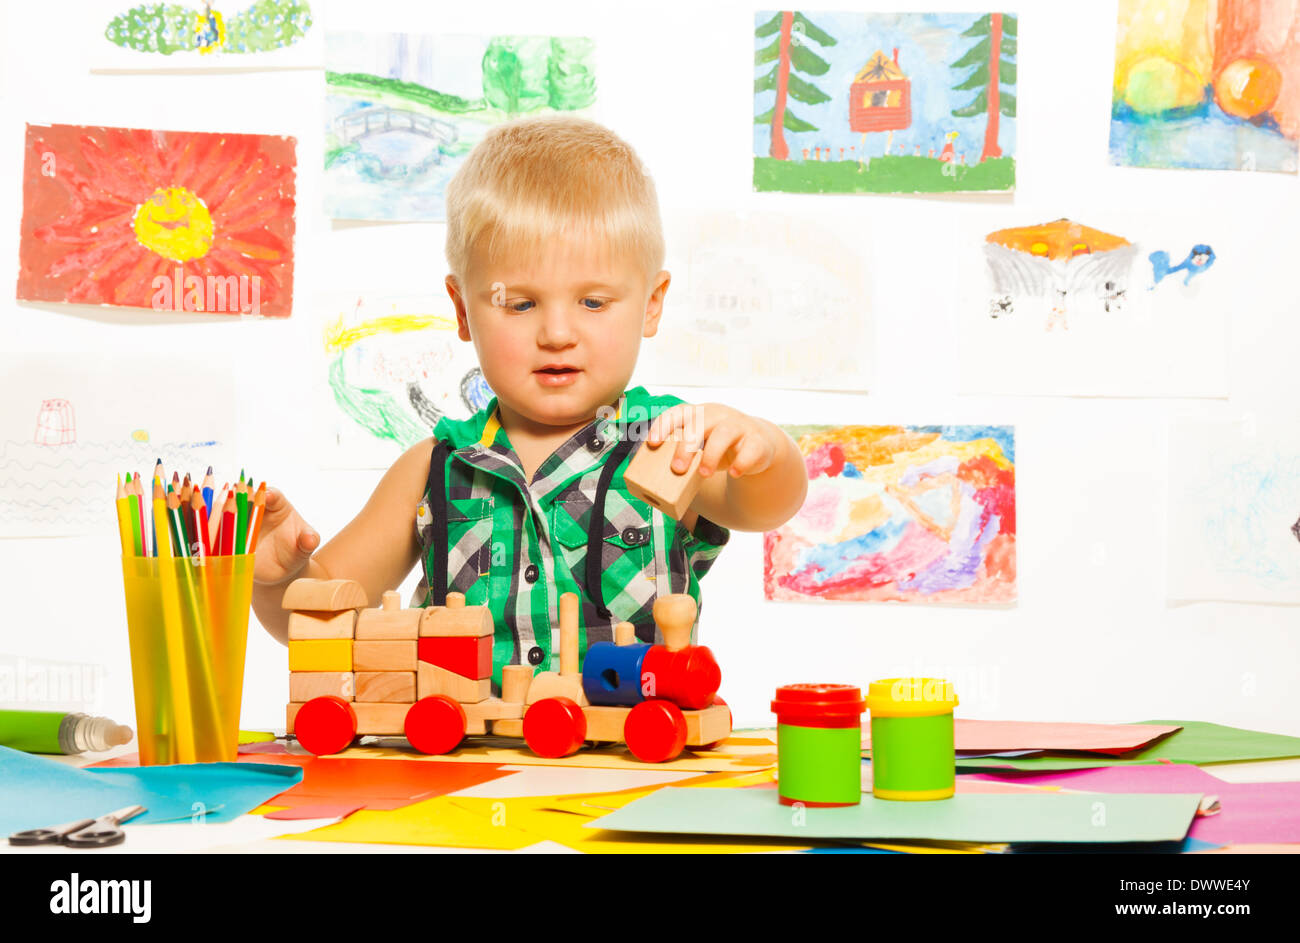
(437, 821)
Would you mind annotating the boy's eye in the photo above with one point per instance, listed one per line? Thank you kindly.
(520, 305)
(593, 304)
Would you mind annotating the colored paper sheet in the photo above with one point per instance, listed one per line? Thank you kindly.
(741, 759)
(1249, 812)
(1014, 735)
(36, 792)
(323, 811)
(1197, 742)
(435, 821)
(1031, 817)
(570, 829)
(389, 784)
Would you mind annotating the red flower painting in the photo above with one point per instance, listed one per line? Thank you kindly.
(169, 220)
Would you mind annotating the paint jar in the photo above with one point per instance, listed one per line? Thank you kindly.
(912, 749)
(819, 744)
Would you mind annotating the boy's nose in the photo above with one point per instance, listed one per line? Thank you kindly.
(555, 329)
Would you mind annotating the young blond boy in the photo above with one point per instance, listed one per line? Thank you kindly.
(556, 253)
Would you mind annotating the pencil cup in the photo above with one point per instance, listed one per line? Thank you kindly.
(912, 746)
(188, 627)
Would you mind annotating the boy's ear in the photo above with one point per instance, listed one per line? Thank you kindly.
(457, 299)
(655, 306)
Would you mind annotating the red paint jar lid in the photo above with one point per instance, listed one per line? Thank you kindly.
(819, 705)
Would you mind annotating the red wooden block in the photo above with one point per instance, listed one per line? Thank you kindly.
(470, 657)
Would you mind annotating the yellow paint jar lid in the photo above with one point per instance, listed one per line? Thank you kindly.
(910, 697)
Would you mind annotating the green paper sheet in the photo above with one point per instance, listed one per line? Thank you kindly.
(1196, 743)
(978, 817)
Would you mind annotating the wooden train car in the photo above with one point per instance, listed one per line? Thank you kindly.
(426, 674)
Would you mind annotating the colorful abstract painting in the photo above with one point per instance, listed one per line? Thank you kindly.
(1234, 509)
(1211, 84)
(167, 220)
(402, 111)
(904, 513)
(884, 102)
(238, 34)
(390, 368)
(1138, 307)
(766, 299)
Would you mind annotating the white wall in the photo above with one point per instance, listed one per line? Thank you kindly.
(1091, 639)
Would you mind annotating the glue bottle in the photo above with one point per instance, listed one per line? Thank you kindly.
(57, 732)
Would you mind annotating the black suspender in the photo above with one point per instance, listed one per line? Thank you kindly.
(438, 510)
(596, 524)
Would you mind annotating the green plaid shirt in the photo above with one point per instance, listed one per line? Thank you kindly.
(515, 546)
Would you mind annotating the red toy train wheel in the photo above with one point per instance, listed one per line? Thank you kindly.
(655, 731)
(555, 727)
(435, 724)
(325, 724)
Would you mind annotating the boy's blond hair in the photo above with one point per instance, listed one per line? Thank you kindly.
(532, 179)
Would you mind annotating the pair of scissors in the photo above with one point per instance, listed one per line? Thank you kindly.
(83, 833)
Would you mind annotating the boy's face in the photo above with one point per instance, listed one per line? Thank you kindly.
(557, 336)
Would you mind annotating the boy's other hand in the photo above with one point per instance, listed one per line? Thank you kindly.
(730, 439)
(286, 541)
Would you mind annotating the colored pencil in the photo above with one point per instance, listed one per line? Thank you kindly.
(214, 517)
(200, 514)
(227, 532)
(207, 490)
(123, 519)
(259, 509)
(162, 546)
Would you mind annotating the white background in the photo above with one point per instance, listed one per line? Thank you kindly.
(1092, 637)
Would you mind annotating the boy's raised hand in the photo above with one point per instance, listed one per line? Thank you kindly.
(731, 440)
(286, 541)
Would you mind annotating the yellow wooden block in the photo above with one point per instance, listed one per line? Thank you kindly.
(384, 655)
(321, 654)
(305, 685)
(434, 680)
(394, 686)
(381, 719)
(508, 728)
(305, 625)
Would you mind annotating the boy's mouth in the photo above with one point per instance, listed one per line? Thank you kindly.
(556, 374)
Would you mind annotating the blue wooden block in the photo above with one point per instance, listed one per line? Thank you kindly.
(611, 674)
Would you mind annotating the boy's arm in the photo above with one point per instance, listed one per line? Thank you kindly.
(377, 548)
(754, 474)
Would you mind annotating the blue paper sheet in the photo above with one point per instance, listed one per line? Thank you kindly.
(36, 792)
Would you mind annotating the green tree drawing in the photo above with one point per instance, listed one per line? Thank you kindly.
(790, 50)
(515, 73)
(993, 59)
(571, 83)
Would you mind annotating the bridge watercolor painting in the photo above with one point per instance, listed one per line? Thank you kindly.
(1208, 84)
(884, 102)
(922, 514)
(402, 111)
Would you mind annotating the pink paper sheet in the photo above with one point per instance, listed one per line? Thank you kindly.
(1001, 735)
(1250, 812)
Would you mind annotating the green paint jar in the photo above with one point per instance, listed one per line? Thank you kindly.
(819, 744)
(912, 747)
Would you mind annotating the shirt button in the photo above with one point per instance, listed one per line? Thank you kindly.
(595, 443)
(535, 656)
(530, 574)
(632, 536)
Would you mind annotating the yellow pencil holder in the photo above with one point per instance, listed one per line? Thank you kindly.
(188, 626)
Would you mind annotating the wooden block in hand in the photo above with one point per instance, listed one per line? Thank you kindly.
(389, 686)
(650, 477)
(384, 655)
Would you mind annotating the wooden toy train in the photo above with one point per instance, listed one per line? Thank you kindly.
(426, 674)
